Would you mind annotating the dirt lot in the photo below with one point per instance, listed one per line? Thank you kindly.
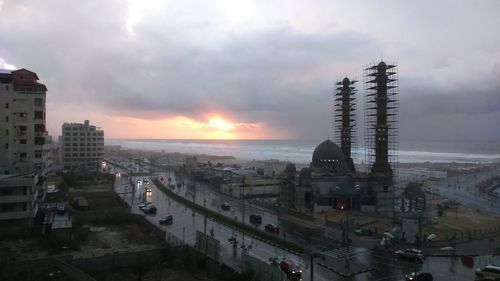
(461, 220)
(116, 238)
(100, 200)
(99, 241)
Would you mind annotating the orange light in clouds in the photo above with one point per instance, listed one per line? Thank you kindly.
(220, 124)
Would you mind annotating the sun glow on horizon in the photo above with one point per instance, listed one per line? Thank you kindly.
(220, 124)
(212, 126)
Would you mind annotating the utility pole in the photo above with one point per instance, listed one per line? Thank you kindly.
(205, 219)
(312, 266)
(243, 213)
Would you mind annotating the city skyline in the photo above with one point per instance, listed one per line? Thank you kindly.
(252, 69)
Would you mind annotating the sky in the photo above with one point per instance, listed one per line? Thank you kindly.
(255, 69)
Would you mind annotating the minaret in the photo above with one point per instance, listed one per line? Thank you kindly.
(381, 125)
(345, 118)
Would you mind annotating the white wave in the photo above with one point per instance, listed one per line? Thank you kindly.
(293, 151)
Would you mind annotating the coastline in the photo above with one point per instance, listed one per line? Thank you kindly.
(292, 151)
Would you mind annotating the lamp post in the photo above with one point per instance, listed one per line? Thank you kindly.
(345, 236)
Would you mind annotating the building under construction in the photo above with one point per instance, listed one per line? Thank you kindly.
(331, 181)
(381, 132)
(345, 119)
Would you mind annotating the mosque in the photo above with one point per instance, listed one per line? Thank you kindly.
(331, 180)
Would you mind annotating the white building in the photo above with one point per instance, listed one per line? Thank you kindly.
(82, 146)
(252, 186)
(23, 145)
(418, 175)
(23, 135)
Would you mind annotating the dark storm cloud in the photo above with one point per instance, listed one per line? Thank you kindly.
(171, 62)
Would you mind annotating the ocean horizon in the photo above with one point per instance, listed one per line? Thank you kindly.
(300, 151)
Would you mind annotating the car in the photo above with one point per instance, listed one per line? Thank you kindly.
(149, 209)
(291, 269)
(419, 276)
(168, 220)
(410, 254)
(144, 205)
(255, 219)
(490, 270)
(61, 208)
(225, 206)
(272, 228)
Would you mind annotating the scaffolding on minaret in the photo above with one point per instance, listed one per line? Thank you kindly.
(345, 119)
(381, 117)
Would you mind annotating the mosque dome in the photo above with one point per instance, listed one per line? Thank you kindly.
(329, 155)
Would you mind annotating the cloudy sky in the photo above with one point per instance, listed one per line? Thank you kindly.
(255, 69)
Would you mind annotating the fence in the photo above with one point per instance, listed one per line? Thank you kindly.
(263, 271)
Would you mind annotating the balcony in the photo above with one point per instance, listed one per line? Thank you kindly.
(15, 199)
(16, 215)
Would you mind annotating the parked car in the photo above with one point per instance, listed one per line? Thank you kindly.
(225, 206)
(488, 271)
(410, 254)
(419, 276)
(292, 270)
(149, 209)
(255, 219)
(272, 228)
(168, 220)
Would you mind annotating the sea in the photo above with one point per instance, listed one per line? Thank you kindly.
(300, 151)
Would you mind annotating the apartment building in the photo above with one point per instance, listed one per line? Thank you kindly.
(23, 146)
(82, 147)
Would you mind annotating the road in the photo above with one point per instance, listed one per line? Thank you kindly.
(379, 266)
(462, 189)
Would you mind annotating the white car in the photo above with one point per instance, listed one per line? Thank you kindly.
(490, 270)
(410, 254)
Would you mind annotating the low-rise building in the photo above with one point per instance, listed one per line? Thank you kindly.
(19, 200)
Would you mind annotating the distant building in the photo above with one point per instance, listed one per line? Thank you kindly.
(82, 147)
(23, 146)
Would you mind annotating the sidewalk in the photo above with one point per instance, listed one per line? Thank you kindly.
(470, 248)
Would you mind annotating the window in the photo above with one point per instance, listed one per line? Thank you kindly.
(6, 132)
(6, 105)
(39, 115)
(6, 118)
(39, 141)
(39, 128)
(386, 188)
(38, 102)
(22, 141)
(23, 128)
(38, 154)
(6, 146)
(6, 87)
(22, 155)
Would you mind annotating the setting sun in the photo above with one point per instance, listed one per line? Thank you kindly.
(220, 124)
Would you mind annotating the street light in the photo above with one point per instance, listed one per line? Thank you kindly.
(345, 236)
